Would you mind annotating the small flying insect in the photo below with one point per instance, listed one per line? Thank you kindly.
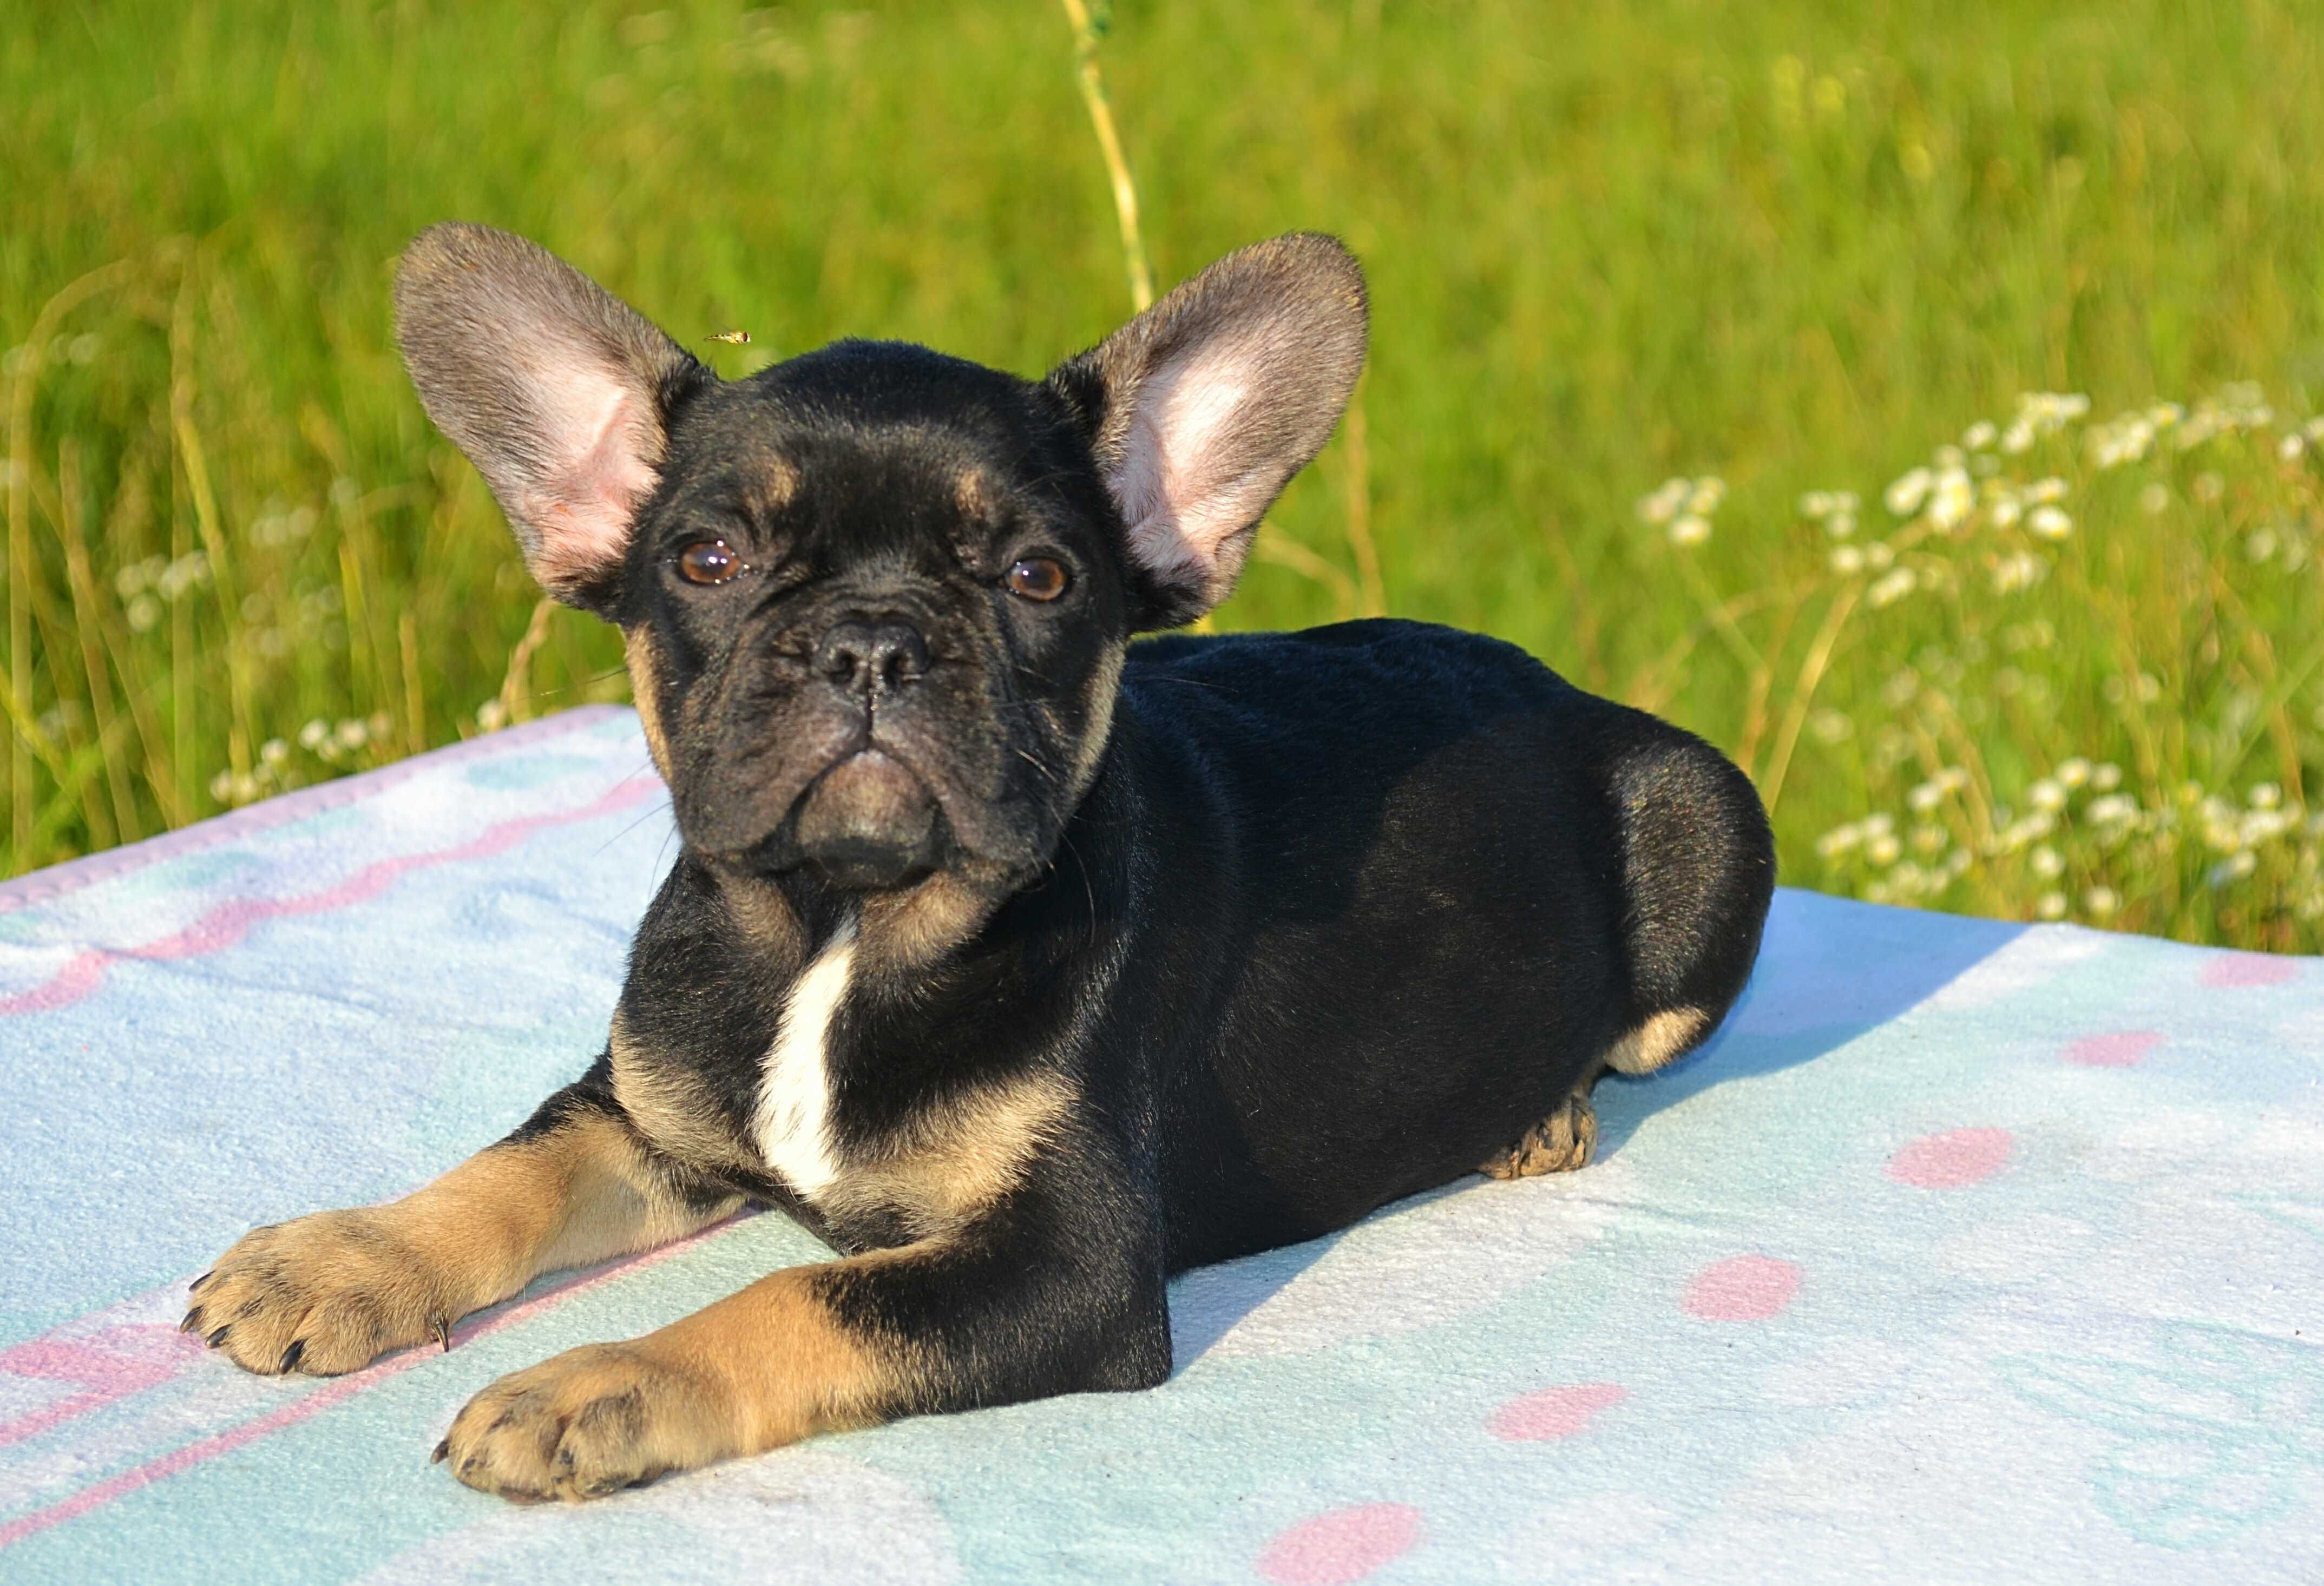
(732, 338)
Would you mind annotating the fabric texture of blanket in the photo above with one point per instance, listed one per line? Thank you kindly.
(1966, 1252)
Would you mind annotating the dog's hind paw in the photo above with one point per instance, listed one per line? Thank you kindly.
(1565, 1140)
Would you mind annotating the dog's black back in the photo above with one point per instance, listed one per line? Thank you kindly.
(1366, 836)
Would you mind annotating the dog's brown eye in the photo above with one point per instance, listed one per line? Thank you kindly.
(1037, 579)
(708, 561)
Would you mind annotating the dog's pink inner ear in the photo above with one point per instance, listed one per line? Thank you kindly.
(1184, 492)
(585, 500)
(1213, 399)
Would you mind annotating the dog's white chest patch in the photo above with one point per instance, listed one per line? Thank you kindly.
(793, 1121)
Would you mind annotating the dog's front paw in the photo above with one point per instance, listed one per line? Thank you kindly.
(589, 1421)
(324, 1294)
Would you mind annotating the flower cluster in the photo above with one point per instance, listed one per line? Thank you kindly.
(1683, 509)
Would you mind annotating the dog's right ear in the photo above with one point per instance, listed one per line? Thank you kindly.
(558, 391)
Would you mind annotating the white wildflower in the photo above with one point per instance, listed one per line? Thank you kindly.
(1949, 502)
(1981, 436)
(1689, 530)
(1663, 505)
(1847, 559)
(2101, 902)
(2051, 906)
(1891, 587)
(1906, 494)
(2050, 523)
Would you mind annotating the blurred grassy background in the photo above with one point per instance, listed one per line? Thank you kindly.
(1794, 244)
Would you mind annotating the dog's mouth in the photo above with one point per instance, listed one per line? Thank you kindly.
(869, 823)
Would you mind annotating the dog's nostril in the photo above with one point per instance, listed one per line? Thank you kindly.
(872, 658)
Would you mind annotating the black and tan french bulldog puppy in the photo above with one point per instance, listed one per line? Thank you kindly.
(1026, 966)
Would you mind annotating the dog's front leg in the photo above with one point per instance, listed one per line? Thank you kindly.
(329, 1292)
(1038, 1296)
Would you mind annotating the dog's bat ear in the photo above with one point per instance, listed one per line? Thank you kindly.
(557, 391)
(1201, 410)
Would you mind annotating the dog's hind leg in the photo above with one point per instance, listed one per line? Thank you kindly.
(1565, 1140)
(1698, 869)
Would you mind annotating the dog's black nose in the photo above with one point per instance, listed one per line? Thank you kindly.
(872, 660)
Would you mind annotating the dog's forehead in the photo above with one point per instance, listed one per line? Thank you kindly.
(884, 416)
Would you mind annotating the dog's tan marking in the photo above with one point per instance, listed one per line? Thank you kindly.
(1565, 1140)
(345, 1286)
(769, 486)
(764, 919)
(906, 932)
(759, 1369)
(1663, 1036)
(972, 493)
(645, 692)
(957, 1158)
(669, 1107)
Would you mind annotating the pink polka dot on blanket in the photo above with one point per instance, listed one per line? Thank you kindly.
(1341, 1545)
(2234, 971)
(2119, 1048)
(1555, 1412)
(1955, 1160)
(1741, 1289)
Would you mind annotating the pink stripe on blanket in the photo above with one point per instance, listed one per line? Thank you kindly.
(229, 923)
(45, 885)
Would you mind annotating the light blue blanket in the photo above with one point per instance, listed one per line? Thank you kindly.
(1967, 1252)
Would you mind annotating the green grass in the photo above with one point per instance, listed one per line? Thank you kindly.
(1782, 242)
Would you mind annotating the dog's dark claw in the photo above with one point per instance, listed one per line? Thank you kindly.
(193, 1322)
(444, 1335)
(290, 1356)
(443, 1452)
(219, 1337)
(195, 1286)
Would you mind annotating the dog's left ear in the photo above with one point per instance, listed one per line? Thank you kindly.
(1201, 410)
